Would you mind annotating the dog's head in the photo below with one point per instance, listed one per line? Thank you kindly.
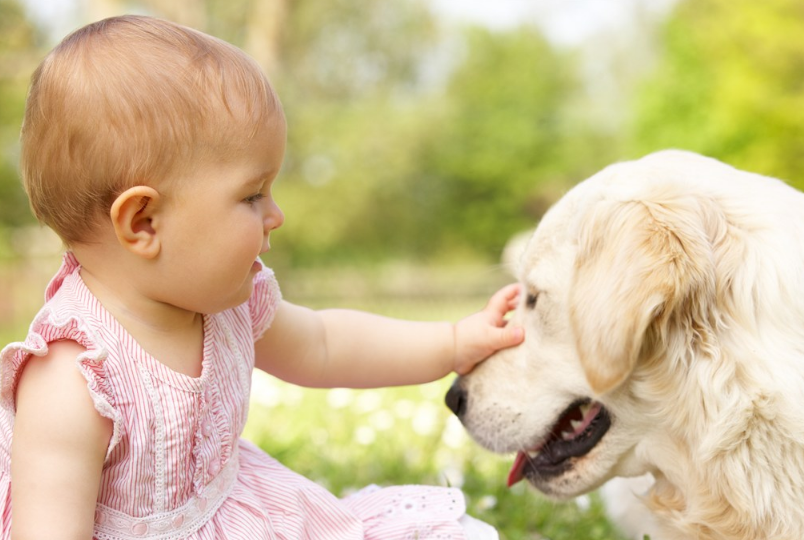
(619, 291)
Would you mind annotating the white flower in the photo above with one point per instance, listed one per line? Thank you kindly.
(264, 390)
(454, 435)
(368, 401)
(583, 502)
(365, 435)
(486, 502)
(425, 419)
(338, 398)
(382, 420)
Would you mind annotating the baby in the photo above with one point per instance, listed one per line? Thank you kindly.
(151, 149)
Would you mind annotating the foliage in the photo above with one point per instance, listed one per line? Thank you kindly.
(430, 172)
(347, 439)
(18, 39)
(494, 151)
(729, 85)
(387, 160)
(348, 79)
(342, 52)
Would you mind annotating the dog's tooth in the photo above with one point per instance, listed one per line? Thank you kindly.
(585, 409)
(575, 424)
(566, 435)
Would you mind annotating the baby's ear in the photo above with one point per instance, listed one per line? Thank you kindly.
(132, 216)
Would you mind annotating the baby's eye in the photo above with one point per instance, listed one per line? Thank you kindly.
(254, 198)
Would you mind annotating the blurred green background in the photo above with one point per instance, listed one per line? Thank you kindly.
(423, 135)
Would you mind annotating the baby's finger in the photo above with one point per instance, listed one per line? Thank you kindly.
(513, 303)
(508, 336)
(503, 300)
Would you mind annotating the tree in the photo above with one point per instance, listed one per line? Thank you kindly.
(730, 86)
(497, 154)
(381, 167)
(18, 45)
(349, 80)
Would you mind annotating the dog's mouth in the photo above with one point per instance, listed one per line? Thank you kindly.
(576, 432)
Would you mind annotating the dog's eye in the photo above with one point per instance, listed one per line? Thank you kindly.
(530, 301)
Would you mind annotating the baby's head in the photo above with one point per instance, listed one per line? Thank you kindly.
(133, 101)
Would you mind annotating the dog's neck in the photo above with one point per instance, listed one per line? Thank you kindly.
(721, 454)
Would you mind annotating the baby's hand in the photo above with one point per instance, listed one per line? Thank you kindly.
(479, 335)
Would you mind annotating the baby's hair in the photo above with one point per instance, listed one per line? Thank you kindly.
(130, 101)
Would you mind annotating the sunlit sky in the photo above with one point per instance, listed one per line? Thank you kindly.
(565, 22)
(58, 16)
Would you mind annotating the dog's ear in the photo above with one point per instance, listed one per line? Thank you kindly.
(638, 262)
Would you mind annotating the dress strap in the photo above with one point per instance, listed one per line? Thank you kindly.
(69, 264)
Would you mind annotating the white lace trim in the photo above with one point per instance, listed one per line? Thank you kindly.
(111, 524)
(159, 439)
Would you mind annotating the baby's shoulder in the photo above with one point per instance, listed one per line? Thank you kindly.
(57, 368)
(52, 404)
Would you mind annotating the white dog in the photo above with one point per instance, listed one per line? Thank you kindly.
(663, 304)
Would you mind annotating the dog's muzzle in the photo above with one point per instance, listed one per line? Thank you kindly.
(456, 398)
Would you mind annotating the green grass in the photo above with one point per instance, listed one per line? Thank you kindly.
(346, 439)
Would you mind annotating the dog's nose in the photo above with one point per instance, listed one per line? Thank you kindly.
(456, 398)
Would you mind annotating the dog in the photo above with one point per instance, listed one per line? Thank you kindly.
(663, 308)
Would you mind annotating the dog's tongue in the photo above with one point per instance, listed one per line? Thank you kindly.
(515, 475)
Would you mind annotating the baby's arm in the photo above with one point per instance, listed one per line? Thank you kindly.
(354, 349)
(57, 451)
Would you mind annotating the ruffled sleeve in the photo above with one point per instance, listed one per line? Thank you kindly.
(264, 301)
(12, 359)
(90, 363)
(51, 325)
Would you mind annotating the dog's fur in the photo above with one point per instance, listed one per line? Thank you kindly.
(670, 290)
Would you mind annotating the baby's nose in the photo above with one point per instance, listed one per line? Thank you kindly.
(274, 218)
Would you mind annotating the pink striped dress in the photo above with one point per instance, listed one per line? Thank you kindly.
(176, 466)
